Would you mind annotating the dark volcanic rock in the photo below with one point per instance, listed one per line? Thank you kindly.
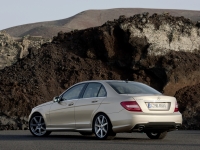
(189, 106)
(159, 50)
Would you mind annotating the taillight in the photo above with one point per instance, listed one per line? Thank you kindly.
(131, 106)
(176, 107)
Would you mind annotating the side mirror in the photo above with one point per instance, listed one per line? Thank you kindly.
(56, 99)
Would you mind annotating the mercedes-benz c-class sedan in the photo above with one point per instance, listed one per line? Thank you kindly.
(106, 107)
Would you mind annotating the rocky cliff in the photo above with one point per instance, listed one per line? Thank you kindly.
(159, 50)
(12, 49)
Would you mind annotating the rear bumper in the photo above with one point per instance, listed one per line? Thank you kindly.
(156, 126)
(125, 121)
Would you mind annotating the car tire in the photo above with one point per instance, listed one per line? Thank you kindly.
(37, 126)
(102, 127)
(156, 135)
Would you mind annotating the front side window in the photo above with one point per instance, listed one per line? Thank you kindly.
(92, 90)
(132, 88)
(73, 93)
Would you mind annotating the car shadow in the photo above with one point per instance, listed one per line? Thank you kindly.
(63, 137)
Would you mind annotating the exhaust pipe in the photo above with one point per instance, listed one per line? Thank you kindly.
(177, 127)
(140, 128)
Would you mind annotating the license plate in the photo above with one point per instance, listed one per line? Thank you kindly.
(162, 106)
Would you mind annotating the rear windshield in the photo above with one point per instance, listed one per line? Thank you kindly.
(132, 88)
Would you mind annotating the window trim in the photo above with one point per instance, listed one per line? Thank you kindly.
(83, 91)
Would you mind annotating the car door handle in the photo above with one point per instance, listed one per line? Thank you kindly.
(94, 101)
(70, 104)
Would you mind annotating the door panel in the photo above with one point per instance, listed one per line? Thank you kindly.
(62, 112)
(84, 108)
(62, 115)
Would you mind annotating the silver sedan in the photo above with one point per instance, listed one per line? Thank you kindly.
(107, 107)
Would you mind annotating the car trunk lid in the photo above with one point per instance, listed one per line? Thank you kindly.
(155, 103)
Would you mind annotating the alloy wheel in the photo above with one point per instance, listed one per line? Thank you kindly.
(37, 126)
(101, 126)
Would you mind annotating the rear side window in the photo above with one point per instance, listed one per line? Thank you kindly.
(92, 90)
(102, 92)
(132, 88)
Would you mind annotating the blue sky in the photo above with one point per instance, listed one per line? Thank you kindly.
(18, 12)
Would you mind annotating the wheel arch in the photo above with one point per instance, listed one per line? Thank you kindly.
(35, 113)
(39, 113)
(43, 111)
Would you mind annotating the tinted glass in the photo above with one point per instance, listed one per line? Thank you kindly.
(73, 93)
(102, 92)
(132, 88)
(92, 90)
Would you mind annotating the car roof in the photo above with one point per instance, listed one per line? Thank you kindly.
(103, 81)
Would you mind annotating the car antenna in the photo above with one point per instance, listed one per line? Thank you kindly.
(126, 80)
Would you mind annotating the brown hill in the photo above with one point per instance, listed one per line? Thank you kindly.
(159, 50)
(90, 18)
